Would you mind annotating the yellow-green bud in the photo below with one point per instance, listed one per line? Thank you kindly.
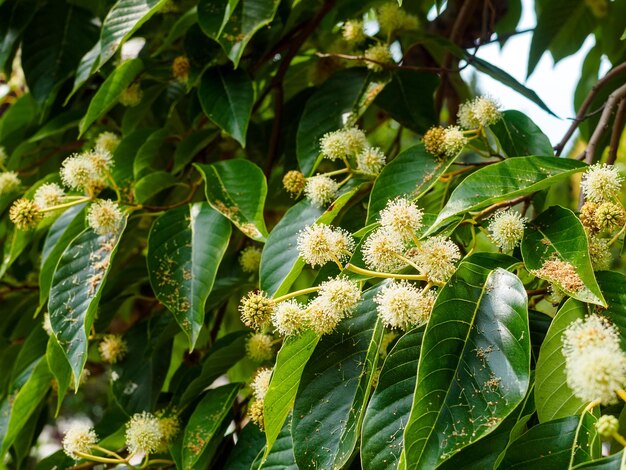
(25, 214)
(180, 68)
(256, 309)
(607, 425)
(294, 182)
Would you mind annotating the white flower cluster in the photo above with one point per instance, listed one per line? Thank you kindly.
(318, 244)
(479, 112)
(402, 305)
(594, 361)
(507, 229)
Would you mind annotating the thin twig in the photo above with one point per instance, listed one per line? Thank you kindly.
(494, 207)
(389, 65)
(502, 37)
(603, 123)
(616, 133)
(582, 111)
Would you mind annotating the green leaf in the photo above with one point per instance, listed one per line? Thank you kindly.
(408, 98)
(139, 376)
(152, 184)
(75, 292)
(150, 153)
(205, 422)
(412, 173)
(281, 394)
(557, 234)
(249, 444)
(56, 39)
(188, 148)
(325, 111)
(519, 136)
(57, 125)
(474, 365)
(64, 229)
(227, 97)
(25, 401)
(232, 24)
(505, 180)
(390, 405)
(185, 248)
(570, 19)
(553, 397)
(124, 18)
(14, 18)
(562, 444)
(109, 92)
(334, 389)
(178, 29)
(281, 455)
(225, 353)
(60, 369)
(237, 188)
(280, 262)
(614, 462)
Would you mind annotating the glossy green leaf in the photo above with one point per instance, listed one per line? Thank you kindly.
(506, 180)
(152, 184)
(124, 18)
(412, 173)
(232, 24)
(140, 374)
(290, 362)
(562, 444)
(334, 389)
(325, 111)
(205, 422)
(61, 233)
(250, 443)
(150, 153)
(237, 189)
(280, 262)
(614, 462)
(14, 18)
(185, 248)
(474, 365)
(281, 455)
(76, 289)
(46, 58)
(557, 234)
(408, 98)
(519, 136)
(389, 408)
(109, 92)
(225, 353)
(60, 369)
(187, 149)
(553, 397)
(226, 97)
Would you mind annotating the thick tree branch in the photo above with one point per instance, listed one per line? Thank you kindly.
(616, 133)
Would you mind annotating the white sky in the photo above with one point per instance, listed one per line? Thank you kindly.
(555, 85)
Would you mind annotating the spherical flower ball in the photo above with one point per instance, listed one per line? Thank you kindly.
(609, 216)
(607, 425)
(601, 183)
(600, 253)
(353, 32)
(131, 96)
(289, 318)
(380, 250)
(321, 319)
(256, 309)
(107, 141)
(25, 214)
(321, 190)
(355, 140)
(340, 294)
(49, 195)
(371, 160)
(143, 434)
(507, 229)
(102, 160)
(377, 57)
(170, 427)
(259, 347)
(294, 182)
(437, 258)
(112, 348)
(597, 374)
(592, 332)
(333, 145)
(587, 216)
(104, 217)
(79, 172)
(402, 216)
(9, 182)
(318, 244)
(79, 438)
(250, 259)
(453, 141)
(434, 142)
(401, 305)
(255, 412)
(479, 112)
(180, 68)
(261, 382)
(392, 18)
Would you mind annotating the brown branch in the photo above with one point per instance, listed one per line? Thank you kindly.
(494, 207)
(616, 133)
(582, 111)
(390, 65)
(611, 103)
